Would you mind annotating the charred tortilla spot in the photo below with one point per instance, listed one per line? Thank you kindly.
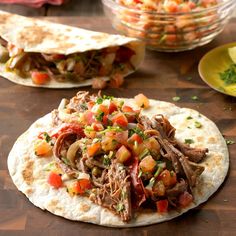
(34, 34)
(212, 139)
(27, 173)
(84, 207)
(53, 205)
(99, 37)
(3, 18)
(29, 191)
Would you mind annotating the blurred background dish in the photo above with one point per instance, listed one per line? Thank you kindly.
(170, 26)
(212, 64)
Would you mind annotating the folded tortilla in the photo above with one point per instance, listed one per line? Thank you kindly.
(37, 37)
(28, 171)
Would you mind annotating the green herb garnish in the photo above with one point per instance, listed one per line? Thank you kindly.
(140, 173)
(197, 124)
(189, 78)
(144, 153)
(138, 131)
(229, 75)
(229, 142)
(189, 118)
(99, 100)
(120, 207)
(176, 99)
(47, 137)
(194, 98)
(99, 116)
(188, 141)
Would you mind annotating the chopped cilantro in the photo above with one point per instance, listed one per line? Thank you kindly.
(144, 153)
(188, 141)
(99, 116)
(189, 118)
(120, 207)
(194, 98)
(138, 131)
(176, 99)
(229, 75)
(105, 97)
(47, 137)
(152, 181)
(140, 173)
(108, 97)
(197, 124)
(229, 142)
(99, 100)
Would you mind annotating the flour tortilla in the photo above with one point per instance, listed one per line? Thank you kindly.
(29, 175)
(40, 36)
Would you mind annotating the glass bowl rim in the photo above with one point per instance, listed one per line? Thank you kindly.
(114, 4)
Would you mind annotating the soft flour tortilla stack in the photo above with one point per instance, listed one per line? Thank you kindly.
(59, 50)
(29, 172)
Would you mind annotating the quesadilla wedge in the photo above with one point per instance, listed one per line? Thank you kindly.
(44, 54)
(119, 162)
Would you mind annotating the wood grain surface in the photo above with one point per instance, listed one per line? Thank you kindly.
(161, 76)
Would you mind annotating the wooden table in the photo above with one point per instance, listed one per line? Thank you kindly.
(161, 76)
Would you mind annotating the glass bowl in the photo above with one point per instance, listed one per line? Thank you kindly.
(170, 32)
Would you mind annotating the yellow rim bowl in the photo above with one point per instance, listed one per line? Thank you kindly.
(214, 62)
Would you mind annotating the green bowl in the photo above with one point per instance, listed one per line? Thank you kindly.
(214, 62)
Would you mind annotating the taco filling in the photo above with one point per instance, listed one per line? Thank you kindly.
(76, 67)
(121, 160)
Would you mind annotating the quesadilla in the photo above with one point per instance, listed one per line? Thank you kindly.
(119, 162)
(43, 54)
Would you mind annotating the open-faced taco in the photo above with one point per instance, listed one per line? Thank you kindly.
(119, 162)
(43, 54)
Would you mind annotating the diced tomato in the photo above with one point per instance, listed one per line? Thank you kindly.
(93, 149)
(168, 178)
(97, 127)
(123, 54)
(135, 137)
(129, 113)
(90, 104)
(112, 107)
(171, 6)
(103, 108)
(191, 4)
(162, 206)
(56, 57)
(99, 83)
(55, 180)
(105, 119)
(81, 185)
(185, 199)
(141, 100)
(120, 120)
(42, 148)
(89, 117)
(123, 154)
(39, 77)
(116, 80)
(122, 136)
(127, 109)
(147, 164)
